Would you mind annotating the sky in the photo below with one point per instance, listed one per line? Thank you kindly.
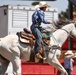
(61, 5)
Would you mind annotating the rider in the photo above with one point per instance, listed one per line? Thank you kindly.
(37, 18)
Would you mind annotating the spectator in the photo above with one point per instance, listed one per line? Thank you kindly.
(68, 61)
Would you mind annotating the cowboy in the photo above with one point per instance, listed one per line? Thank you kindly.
(68, 61)
(38, 17)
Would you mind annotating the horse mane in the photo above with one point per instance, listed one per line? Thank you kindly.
(59, 24)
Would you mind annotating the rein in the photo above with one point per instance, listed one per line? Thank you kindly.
(69, 33)
(55, 47)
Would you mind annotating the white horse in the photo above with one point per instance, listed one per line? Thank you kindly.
(11, 49)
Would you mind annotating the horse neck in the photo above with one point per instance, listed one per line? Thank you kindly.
(62, 34)
(69, 27)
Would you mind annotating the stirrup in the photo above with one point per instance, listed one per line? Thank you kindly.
(38, 55)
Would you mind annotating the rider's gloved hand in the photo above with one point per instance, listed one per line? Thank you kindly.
(51, 22)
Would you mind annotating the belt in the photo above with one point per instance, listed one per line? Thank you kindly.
(38, 26)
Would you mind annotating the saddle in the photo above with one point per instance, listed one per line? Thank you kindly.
(26, 37)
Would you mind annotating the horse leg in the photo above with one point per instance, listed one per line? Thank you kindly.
(52, 60)
(3, 65)
(16, 66)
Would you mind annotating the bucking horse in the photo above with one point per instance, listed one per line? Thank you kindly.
(13, 50)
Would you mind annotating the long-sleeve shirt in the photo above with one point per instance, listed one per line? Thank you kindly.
(38, 17)
(68, 63)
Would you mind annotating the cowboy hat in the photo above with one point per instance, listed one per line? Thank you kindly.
(69, 52)
(42, 4)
